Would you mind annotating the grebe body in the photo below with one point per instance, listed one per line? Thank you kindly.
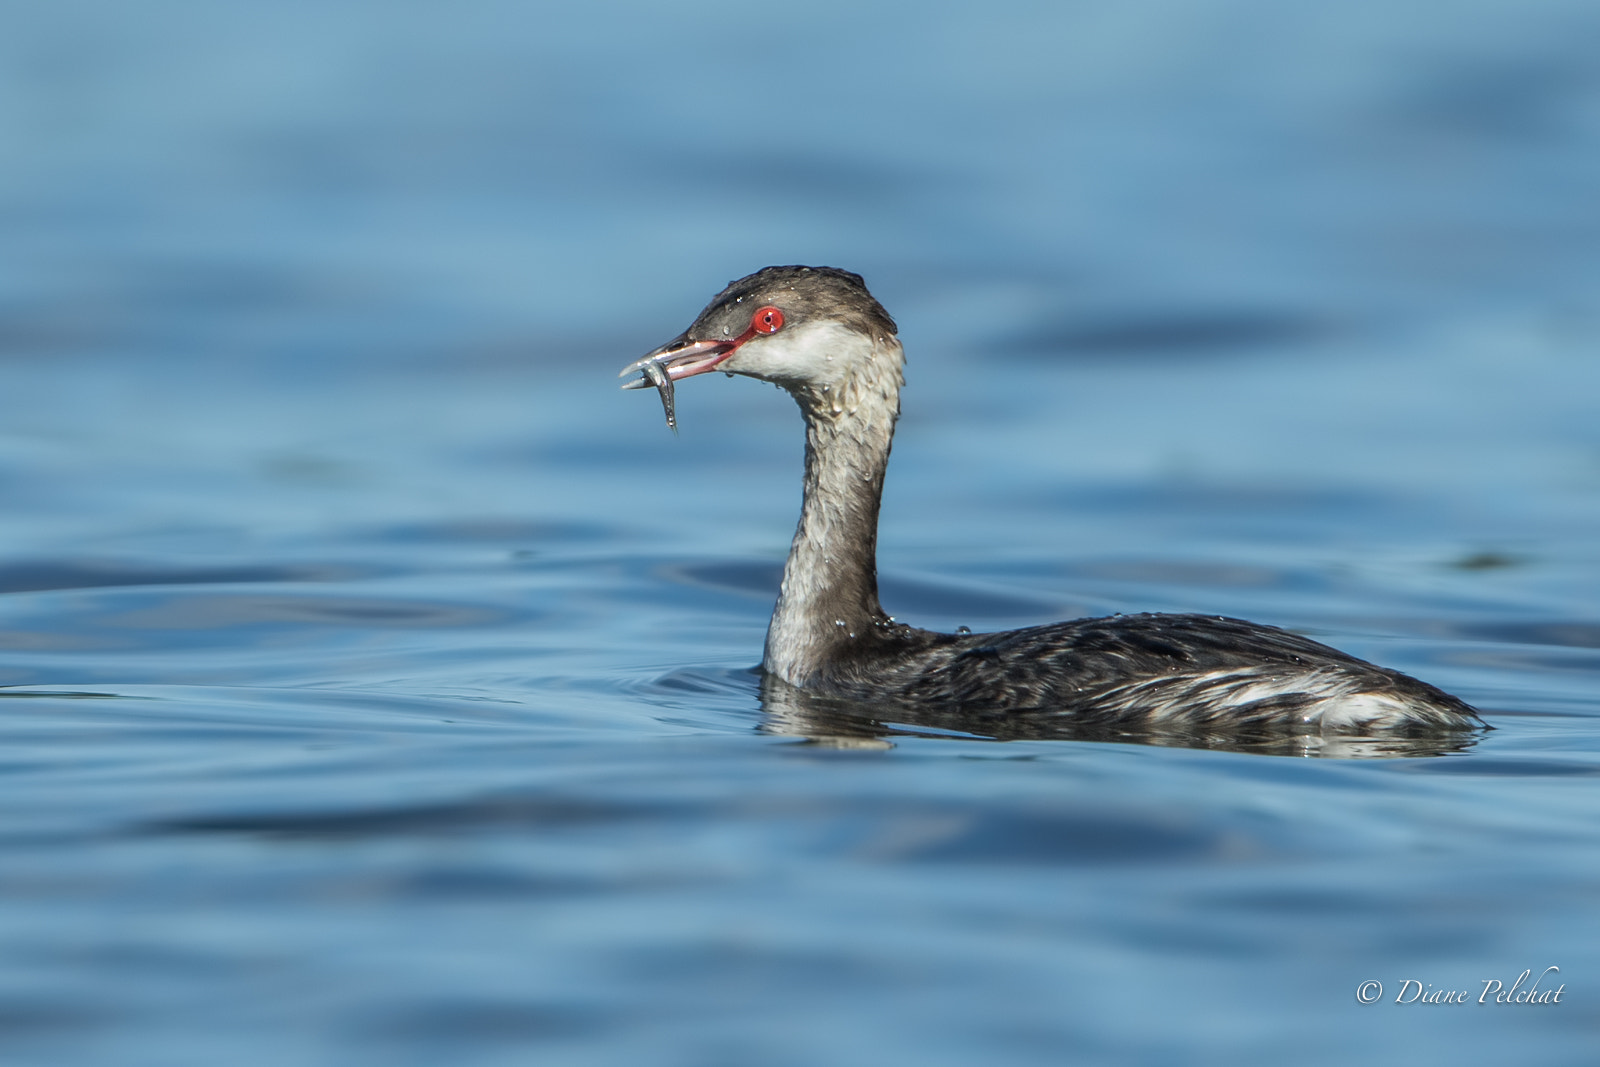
(819, 334)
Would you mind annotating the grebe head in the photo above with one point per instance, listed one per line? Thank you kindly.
(803, 328)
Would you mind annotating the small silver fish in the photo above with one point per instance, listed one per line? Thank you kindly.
(681, 358)
(663, 382)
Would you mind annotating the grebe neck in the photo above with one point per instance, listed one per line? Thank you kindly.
(829, 596)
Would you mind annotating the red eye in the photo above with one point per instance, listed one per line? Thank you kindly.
(767, 320)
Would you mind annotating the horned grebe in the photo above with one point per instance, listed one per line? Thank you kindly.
(818, 333)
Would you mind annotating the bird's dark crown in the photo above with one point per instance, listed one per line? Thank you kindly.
(804, 294)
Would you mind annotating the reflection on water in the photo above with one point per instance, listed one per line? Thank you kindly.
(788, 711)
(375, 678)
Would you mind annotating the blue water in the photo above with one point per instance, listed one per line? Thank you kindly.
(376, 676)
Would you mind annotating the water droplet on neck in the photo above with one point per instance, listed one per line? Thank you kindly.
(963, 629)
(839, 623)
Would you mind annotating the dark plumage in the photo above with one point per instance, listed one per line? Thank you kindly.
(810, 293)
(1195, 671)
(817, 332)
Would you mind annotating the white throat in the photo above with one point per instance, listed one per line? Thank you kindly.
(829, 596)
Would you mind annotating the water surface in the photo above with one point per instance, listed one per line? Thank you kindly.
(377, 678)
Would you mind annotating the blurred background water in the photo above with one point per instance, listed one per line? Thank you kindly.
(376, 674)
